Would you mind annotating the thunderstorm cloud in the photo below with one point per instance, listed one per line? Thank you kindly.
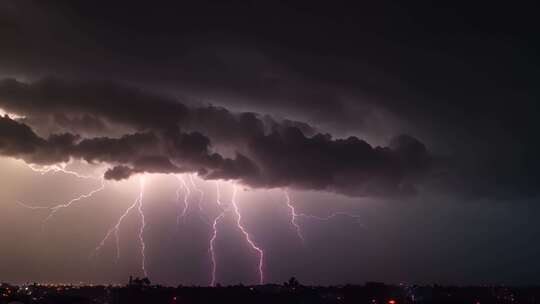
(194, 90)
(167, 136)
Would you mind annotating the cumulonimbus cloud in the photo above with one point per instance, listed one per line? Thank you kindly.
(167, 136)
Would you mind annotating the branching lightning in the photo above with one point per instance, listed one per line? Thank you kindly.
(138, 203)
(294, 215)
(246, 234)
(201, 193)
(217, 220)
(115, 229)
(241, 228)
(62, 168)
(58, 168)
(187, 187)
(187, 192)
(69, 203)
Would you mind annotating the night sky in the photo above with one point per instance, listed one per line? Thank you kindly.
(382, 141)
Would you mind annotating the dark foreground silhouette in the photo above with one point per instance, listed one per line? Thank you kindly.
(142, 291)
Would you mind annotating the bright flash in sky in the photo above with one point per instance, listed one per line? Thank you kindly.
(11, 115)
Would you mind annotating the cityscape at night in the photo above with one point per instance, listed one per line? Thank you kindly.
(141, 291)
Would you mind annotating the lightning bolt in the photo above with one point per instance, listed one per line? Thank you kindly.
(138, 203)
(217, 220)
(71, 202)
(115, 229)
(246, 234)
(141, 230)
(294, 215)
(201, 193)
(62, 168)
(57, 168)
(183, 185)
(218, 194)
(187, 187)
(187, 194)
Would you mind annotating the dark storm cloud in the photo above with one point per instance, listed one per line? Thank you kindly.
(349, 166)
(267, 153)
(104, 100)
(465, 86)
(84, 122)
(18, 140)
(94, 105)
(240, 68)
(134, 153)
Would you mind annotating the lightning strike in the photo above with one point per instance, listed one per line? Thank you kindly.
(71, 202)
(138, 203)
(115, 229)
(187, 192)
(201, 193)
(218, 194)
(62, 168)
(246, 234)
(141, 230)
(11, 115)
(294, 215)
(217, 220)
(58, 168)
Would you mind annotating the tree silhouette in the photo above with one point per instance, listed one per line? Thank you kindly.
(146, 281)
(292, 283)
